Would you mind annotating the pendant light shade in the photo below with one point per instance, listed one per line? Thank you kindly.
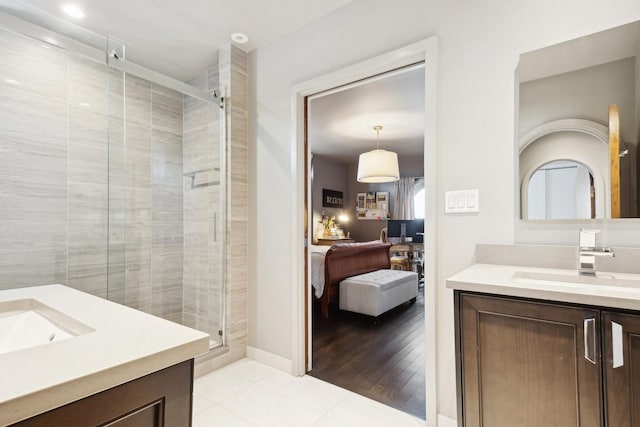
(377, 165)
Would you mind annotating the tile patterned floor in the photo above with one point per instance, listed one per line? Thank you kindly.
(250, 394)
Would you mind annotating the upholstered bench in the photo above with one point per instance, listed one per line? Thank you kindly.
(378, 291)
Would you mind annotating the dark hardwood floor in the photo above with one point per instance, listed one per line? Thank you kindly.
(383, 361)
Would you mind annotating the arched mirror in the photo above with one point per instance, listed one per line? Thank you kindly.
(561, 189)
(564, 172)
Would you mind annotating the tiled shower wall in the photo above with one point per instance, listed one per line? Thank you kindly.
(71, 205)
(92, 186)
(53, 168)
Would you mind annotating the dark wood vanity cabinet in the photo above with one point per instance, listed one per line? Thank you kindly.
(622, 381)
(530, 363)
(163, 398)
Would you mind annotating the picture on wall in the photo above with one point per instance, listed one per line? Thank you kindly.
(371, 200)
(332, 199)
(372, 205)
(381, 201)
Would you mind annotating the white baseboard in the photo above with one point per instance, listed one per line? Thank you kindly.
(270, 359)
(446, 421)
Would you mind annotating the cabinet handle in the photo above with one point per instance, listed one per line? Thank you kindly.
(616, 345)
(590, 339)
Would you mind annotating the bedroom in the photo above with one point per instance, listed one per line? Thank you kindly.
(340, 125)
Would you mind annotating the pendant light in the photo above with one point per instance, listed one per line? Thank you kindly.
(378, 165)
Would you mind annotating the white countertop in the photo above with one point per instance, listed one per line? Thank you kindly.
(125, 345)
(540, 283)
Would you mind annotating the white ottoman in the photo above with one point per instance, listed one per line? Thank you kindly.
(378, 291)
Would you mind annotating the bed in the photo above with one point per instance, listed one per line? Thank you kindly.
(331, 264)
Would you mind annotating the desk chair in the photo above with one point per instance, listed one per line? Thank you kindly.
(398, 262)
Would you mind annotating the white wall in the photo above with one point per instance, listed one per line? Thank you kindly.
(479, 44)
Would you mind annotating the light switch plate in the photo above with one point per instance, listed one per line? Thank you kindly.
(463, 201)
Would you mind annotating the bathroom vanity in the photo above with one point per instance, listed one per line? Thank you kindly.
(119, 366)
(546, 347)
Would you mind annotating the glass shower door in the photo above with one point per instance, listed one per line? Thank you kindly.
(204, 216)
(166, 197)
(112, 179)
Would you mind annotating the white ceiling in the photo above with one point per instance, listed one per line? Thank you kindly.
(179, 38)
(340, 123)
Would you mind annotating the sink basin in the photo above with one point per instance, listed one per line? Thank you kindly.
(604, 279)
(26, 323)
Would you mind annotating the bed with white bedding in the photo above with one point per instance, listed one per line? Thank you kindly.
(317, 268)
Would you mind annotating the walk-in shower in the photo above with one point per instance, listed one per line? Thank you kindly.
(112, 178)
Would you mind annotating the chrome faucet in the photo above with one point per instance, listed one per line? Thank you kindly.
(588, 251)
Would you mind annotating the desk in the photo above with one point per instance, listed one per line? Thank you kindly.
(410, 248)
(329, 242)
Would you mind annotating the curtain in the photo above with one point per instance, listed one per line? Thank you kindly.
(403, 205)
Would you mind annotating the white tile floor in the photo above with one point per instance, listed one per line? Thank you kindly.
(249, 394)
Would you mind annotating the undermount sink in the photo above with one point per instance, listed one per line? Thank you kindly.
(26, 323)
(604, 279)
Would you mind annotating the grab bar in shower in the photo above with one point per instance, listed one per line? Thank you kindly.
(193, 174)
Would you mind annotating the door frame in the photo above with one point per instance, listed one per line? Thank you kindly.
(424, 50)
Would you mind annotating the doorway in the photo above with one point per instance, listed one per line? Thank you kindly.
(380, 358)
(420, 51)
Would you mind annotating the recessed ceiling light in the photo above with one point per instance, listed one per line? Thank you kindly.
(73, 11)
(241, 38)
(85, 104)
(12, 81)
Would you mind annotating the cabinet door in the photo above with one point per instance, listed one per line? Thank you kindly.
(622, 368)
(163, 398)
(524, 364)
